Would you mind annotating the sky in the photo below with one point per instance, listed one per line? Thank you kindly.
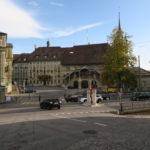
(75, 22)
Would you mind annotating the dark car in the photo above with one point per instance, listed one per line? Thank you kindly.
(72, 98)
(106, 96)
(138, 96)
(50, 103)
(30, 90)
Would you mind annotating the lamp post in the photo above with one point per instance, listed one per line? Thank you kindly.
(139, 72)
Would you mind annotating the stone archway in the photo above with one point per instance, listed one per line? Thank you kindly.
(82, 78)
(84, 84)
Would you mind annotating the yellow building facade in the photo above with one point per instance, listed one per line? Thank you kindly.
(6, 59)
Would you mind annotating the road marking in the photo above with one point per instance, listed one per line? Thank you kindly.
(73, 119)
(80, 112)
(78, 120)
(100, 124)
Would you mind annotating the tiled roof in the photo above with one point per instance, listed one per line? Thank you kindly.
(77, 55)
(85, 54)
(2, 33)
(46, 54)
(141, 71)
(20, 58)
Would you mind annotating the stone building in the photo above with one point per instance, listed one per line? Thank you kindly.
(76, 66)
(143, 77)
(6, 59)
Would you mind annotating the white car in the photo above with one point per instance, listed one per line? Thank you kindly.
(99, 98)
(82, 99)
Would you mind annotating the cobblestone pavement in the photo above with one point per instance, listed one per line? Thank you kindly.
(73, 127)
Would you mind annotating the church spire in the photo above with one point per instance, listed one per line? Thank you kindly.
(119, 23)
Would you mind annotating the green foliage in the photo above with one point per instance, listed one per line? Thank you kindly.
(118, 62)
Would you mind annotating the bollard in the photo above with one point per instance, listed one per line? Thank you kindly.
(39, 98)
(121, 109)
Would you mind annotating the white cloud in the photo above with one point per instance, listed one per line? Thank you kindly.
(70, 31)
(17, 22)
(57, 4)
(33, 3)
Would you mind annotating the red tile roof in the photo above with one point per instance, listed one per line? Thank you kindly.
(77, 55)
(85, 54)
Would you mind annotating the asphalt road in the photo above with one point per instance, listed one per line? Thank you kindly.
(73, 127)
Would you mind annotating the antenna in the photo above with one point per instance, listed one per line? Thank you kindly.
(35, 47)
(48, 43)
(119, 22)
(87, 37)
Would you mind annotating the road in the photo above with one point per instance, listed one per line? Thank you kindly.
(73, 127)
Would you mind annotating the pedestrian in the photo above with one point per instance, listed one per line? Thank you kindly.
(119, 95)
(39, 98)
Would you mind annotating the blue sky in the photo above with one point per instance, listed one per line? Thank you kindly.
(70, 22)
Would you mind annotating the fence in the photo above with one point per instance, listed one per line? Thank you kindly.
(22, 99)
(134, 106)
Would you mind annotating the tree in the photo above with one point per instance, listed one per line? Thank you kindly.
(118, 61)
(44, 78)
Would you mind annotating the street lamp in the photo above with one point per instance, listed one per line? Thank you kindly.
(139, 73)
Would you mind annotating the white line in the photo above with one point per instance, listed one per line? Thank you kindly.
(68, 113)
(100, 124)
(80, 112)
(83, 121)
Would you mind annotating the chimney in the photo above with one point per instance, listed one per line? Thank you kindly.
(48, 44)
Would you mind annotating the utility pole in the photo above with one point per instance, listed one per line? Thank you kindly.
(139, 72)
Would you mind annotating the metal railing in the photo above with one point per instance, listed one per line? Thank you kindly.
(133, 106)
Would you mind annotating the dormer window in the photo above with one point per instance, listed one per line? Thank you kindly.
(45, 56)
(71, 52)
(54, 56)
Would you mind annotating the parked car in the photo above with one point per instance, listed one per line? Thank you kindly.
(83, 99)
(72, 98)
(99, 98)
(30, 90)
(105, 96)
(138, 96)
(50, 103)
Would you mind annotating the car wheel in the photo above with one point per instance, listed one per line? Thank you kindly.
(49, 108)
(41, 107)
(107, 98)
(58, 107)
